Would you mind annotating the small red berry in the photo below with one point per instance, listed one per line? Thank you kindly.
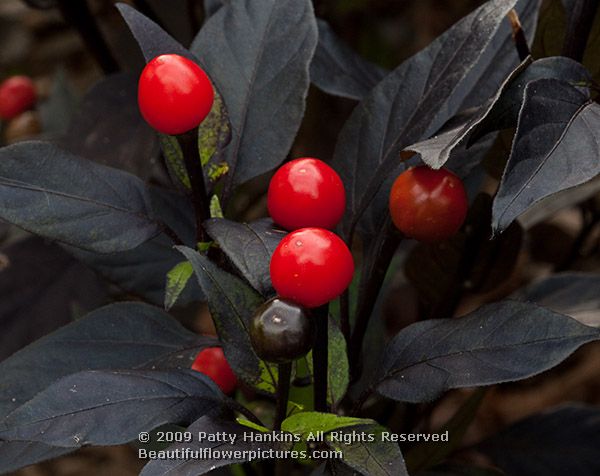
(212, 363)
(174, 94)
(311, 266)
(17, 94)
(428, 205)
(306, 192)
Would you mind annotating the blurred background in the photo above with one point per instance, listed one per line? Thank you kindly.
(68, 46)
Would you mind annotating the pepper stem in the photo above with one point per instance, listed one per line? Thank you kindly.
(320, 357)
(283, 393)
(188, 142)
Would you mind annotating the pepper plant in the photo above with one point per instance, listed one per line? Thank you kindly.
(296, 298)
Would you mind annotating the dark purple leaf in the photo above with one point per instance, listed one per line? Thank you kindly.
(436, 151)
(505, 112)
(500, 342)
(57, 195)
(249, 246)
(119, 336)
(232, 303)
(371, 458)
(90, 407)
(153, 40)
(258, 56)
(212, 426)
(142, 271)
(574, 294)
(410, 104)
(501, 56)
(556, 147)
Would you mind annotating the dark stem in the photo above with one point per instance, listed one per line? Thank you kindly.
(518, 35)
(320, 357)
(283, 393)
(579, 27)
(167, 230)
(77, 14)
(189, 147)
(369, 288)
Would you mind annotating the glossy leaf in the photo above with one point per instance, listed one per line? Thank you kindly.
(487, 74)
(177, 280)
(338, 375)
(118, 336)
(69, 411)
(229, 454)
(560, 442)
(338, 70)
(501, 56)
(258, 56)
(174, 161)
(142, 271)
(557, 122)
(547, 207)
(214, 133)
(574, 294)
(505, 112)
(249, 246)
(54, 194)
(125, 335)
(215, 207)
(304, 423)
(232, 303)
(500, 342)
(371, 458)
(435, 152)
(404, 108)
(152, 39)
(500, 112)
